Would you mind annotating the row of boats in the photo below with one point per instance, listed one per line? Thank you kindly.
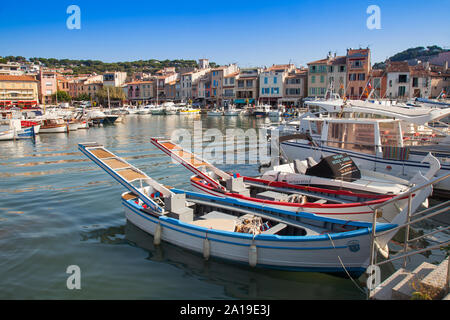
(167, 108)
(170, 108)
(316, 211)
(25, 125)
(347, 171)
(261, 222)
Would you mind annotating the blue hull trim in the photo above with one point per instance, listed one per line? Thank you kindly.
(354, 271)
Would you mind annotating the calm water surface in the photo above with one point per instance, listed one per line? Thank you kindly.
(57, 208)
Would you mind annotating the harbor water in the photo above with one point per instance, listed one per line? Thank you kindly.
(58, 209)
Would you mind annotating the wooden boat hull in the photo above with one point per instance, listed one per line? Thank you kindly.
(356, 211)
(56, 128)
(295, 253)
(26, 133)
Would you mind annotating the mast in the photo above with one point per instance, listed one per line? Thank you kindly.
(109, 103)
(157, 82)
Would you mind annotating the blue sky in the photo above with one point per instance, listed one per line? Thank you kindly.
(250, 33)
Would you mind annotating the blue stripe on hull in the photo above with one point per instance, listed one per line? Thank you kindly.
(354, 271)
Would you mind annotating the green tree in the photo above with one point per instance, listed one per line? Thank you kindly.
(62, 96)
(115, 94)
(83, 97)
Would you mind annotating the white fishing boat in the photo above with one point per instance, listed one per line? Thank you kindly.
(96, 116)
(377, 145)
(24, 129)
(241, 232)
(157, 110)
(53, 126)
(339, 203)
(83, 124)
(276, 113)
(337, 172)
(144, 110)
(189, 111)
(215, 113)
(6, 134)
(262, 110)
(170, 108)
(231, 111)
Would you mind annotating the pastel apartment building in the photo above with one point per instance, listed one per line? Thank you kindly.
(11, 68)
(358, 71)
(295, 87)
(189, 84)
(398, 78)
(217, 83)
(271, 83)
(337, 74)
(114, 79)
(247, 86)
(48, 86)
(140, 92)
(228, 85)
(18, 90)
(378, 83)
(318, 77)
(440, 80)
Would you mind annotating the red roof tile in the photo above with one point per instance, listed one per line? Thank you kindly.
(17, 78)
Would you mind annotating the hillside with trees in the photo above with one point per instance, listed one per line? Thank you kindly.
(99, 67)
(420, 53)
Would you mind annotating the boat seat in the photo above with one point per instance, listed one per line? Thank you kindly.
(276, 228)
(272, 195)
(322, 201)
(311, 162)
(217, 215)
(218, 224)
(300, 166)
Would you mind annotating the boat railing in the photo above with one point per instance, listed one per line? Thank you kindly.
(411, 218)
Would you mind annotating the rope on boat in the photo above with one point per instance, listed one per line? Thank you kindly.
(345, 269)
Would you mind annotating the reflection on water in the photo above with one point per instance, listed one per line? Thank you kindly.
(241, 281)
(57, 209)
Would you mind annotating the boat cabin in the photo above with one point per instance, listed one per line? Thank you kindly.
(370, 136)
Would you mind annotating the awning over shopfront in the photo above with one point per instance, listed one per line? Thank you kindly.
(244, 100)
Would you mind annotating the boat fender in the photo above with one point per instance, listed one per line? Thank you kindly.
(383, 251)
(157, 236)
(252, 255)
(206, 247)
(303, 200)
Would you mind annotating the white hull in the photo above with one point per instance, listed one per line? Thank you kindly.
(84, 125)
(60, 129)
(74, 126)
(214, 113)
(403, 169)
(157, 112)
(293, 254)
(231, 113)
(7, 135)
(354, 212)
